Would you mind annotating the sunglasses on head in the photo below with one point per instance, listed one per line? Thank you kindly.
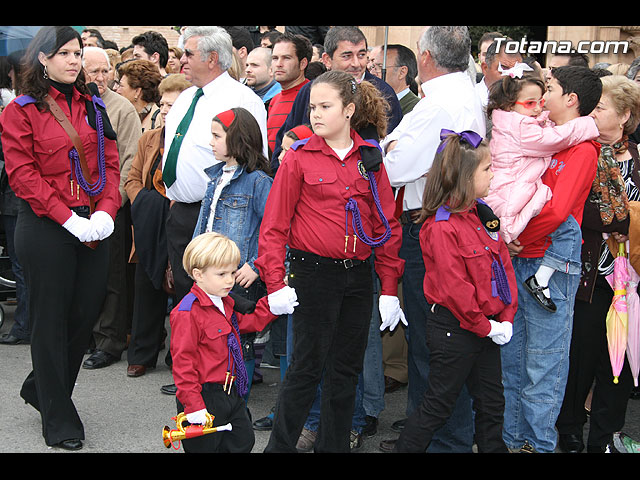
(532, 103)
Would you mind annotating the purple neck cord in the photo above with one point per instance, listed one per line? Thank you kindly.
(96, 187)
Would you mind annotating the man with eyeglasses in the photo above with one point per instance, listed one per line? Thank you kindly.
(110, 332)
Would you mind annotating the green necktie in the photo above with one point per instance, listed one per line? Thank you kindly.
(169, 171)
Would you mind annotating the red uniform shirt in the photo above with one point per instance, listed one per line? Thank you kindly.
(199, 343)
(36, 150)
(306, 210)
(570, 176)
(458, 253)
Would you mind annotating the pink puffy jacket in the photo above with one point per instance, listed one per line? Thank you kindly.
(521, 149)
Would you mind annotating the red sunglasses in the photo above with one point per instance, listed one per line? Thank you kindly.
(532, 103)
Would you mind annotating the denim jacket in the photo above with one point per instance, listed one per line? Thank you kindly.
(239, 209)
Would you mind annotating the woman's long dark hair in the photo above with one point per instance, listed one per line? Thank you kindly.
(48, 40)
(244, 141)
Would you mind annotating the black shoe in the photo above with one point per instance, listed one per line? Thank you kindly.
(398, 425)
(9, 339)
(531, 284)
(387, 446)
(569, 443)
(169, 389)
(71, 444)
(99, 359)
(264, 424)
(370, 426)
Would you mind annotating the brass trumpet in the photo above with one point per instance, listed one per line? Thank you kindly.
(181, 432)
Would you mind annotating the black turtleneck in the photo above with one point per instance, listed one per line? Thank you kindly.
(66, 89)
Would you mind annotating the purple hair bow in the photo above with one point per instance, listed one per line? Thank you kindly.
(469, 136)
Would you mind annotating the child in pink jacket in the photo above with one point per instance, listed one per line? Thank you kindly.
(523, 142)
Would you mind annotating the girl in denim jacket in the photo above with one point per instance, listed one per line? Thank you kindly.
(235, 199)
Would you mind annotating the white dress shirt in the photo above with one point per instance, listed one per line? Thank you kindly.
(450, 101)
(195, 155)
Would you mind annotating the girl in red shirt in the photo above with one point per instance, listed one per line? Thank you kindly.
(470, 285)
(331, 203)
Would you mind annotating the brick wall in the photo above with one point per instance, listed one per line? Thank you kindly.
(122, 35)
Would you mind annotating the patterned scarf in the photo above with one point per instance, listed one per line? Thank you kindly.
(608, 189)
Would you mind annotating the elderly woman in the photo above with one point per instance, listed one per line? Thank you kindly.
(617, 115)
(138, 82)
(149, 208)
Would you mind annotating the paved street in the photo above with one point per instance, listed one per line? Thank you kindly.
(122, 414)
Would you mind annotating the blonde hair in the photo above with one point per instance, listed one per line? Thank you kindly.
(625, 95)
(176, 82)
(210, 249)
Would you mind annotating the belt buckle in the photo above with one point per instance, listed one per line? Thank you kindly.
(348, 263)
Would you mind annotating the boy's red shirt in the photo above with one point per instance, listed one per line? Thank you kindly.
(570, 177)
(199, 343)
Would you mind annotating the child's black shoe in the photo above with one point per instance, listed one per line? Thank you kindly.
(531, 284)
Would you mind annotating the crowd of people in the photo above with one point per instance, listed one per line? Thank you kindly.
(380, 219)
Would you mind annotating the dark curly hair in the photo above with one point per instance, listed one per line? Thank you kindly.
(142, 74)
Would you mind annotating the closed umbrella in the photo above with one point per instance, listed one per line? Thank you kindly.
(617, 317)
(633, 329)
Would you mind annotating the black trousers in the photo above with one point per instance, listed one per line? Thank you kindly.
(149, 313)
(588, 363)
(458, 357)
(226, 408)
(66, 281)
(114, 322)
(181, 222)
(330, 326)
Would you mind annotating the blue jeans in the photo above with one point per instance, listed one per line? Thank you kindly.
(566, 245)
(21, 328)
(535, 363)
(456, 436)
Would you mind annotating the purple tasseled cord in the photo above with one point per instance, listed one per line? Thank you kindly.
(356, 221)
(499, 282)
(97, 187)
(238, 362)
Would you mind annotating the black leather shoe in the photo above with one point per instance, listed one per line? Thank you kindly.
(531, 284)
(264, 424)
(570, 443)
(370, 426)
(387, 446)
(99, 359)
(9, 339)
(170, 389)
(71, 444)
(398, 425)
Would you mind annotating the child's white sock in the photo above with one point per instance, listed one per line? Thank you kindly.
(543, 275)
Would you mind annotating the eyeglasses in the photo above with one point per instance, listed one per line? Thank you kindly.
(529, 104)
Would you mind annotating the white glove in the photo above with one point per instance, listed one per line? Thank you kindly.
(199, 417)
(101, 225)
(79, 227)
(390, 312)
(500, 332)
(283, 301)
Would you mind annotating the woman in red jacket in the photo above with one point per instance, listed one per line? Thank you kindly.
(65, 274)
(331, 206)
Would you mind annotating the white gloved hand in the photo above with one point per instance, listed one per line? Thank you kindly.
(500, 332)
(101, 225)
(199, 417)
(283, 301)
(390, 312)
(79, 227)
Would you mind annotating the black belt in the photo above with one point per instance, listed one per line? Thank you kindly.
(304, 256)
(440, 310)
(82, 211)
(410, 216)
